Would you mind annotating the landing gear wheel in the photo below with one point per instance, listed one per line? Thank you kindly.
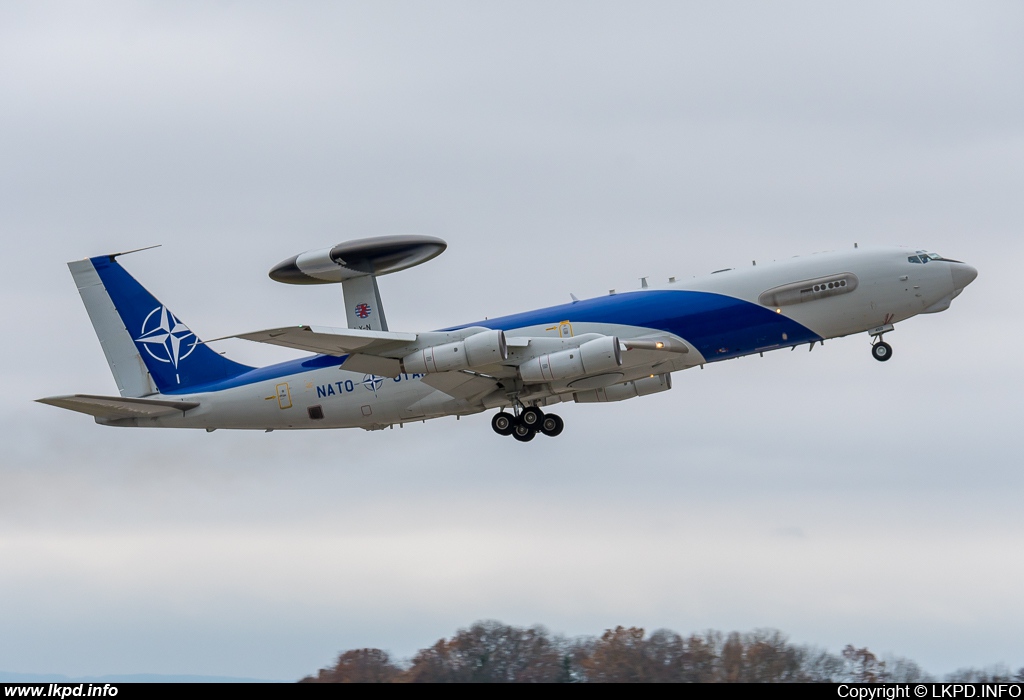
(531, 417)
(551, 425)
(503, 423)
(881, 351)
(523, 433)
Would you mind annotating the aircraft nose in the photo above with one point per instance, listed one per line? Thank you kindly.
(963, 275)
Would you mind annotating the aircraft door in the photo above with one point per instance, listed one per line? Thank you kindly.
(284, 396)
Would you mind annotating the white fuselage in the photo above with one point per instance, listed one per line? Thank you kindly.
(718, 316)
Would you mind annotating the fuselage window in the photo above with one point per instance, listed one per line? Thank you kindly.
(808, 290)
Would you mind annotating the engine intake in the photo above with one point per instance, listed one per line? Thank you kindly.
(593, 356)
(477, 350)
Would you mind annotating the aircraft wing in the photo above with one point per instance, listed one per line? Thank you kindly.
(381, 352)
(118, 406)
(373, 364)
(371, 352)
(329, 341)
(460, 385)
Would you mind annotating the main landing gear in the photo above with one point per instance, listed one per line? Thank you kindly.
(527, 424)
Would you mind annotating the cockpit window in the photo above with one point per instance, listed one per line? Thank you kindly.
(923, 256)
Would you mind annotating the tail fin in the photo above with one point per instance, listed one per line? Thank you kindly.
(147, 347)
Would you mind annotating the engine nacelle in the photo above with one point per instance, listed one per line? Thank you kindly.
(629, 390)
(478, 350)
(593, 356)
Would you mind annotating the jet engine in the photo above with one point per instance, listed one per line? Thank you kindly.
(593, 356)
(629, 390)
(478, 350)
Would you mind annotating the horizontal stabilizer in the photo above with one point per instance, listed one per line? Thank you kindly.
(119, 407)
(329, 341)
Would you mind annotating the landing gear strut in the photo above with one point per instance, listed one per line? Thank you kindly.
(527, 424)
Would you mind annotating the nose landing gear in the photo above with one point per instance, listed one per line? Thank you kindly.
(881, 350)
(527, 424)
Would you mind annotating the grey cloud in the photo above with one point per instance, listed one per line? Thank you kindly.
(557, 150)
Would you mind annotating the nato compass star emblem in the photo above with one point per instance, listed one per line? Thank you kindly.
(167, 339)
(373, 382)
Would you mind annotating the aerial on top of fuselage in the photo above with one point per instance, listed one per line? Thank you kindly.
(608, 348)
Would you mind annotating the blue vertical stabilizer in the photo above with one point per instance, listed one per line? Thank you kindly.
(148, 348)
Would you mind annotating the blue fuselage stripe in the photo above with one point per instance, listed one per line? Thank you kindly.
(719, 326)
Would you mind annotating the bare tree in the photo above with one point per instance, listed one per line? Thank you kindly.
(490, 652)
(770, 658)
(820, 666)
(732, 659)
(990, 674)
(699, 661)
(864, 667)
(359, 666)
(900, 670)
(619, 656)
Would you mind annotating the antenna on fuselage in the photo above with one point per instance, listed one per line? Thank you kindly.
(114, 256)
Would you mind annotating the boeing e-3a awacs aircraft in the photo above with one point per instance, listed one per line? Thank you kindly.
(609, 348)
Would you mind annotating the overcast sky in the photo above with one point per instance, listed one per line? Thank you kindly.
(557, 147)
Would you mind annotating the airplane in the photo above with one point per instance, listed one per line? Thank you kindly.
(619, 346)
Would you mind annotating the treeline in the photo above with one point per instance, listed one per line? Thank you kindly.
(491, 652)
